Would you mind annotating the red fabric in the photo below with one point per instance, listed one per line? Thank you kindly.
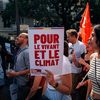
(85, 25)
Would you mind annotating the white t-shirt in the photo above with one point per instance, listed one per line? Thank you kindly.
(79, 48)
(66, 69)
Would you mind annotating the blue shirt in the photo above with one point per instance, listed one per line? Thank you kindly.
(22, 63)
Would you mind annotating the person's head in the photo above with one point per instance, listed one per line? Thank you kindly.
(89, 46)
(66, 48)
(96, 37)
(22, 40)
(72, 35)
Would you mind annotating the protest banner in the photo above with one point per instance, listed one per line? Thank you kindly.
(46, 49)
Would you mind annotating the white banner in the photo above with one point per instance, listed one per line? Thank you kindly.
(46, 49)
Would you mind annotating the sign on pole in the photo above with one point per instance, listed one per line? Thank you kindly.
(46, 49)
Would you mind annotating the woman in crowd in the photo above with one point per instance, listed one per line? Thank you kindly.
(94, 72)
(59, 87)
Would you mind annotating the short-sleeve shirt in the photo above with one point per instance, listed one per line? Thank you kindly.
(22, 63)
(79, 48)
(94, 74)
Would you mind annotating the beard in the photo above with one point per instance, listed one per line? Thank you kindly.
(19, 44)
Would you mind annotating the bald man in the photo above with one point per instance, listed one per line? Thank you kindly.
(21, 67)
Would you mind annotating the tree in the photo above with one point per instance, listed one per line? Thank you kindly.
(65, 13)
(95, 8)
(8, 14)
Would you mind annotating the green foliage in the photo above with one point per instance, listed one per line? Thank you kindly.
(95, 9)
(8, 14)
(65, 13)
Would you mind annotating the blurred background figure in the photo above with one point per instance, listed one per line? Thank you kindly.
(3, 90)
(76, 50)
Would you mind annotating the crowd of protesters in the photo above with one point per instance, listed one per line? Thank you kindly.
(80, 78)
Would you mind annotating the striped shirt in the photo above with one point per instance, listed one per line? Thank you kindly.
(94, 74)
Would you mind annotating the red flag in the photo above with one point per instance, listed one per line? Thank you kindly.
(85, 25)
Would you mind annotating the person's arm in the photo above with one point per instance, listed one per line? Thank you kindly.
(66, 82)
(80, 84)
(86, 65)
(34, 87)
(23, 72)
(74, 60)
(82, 55)
(14, 73)
(66, 85)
